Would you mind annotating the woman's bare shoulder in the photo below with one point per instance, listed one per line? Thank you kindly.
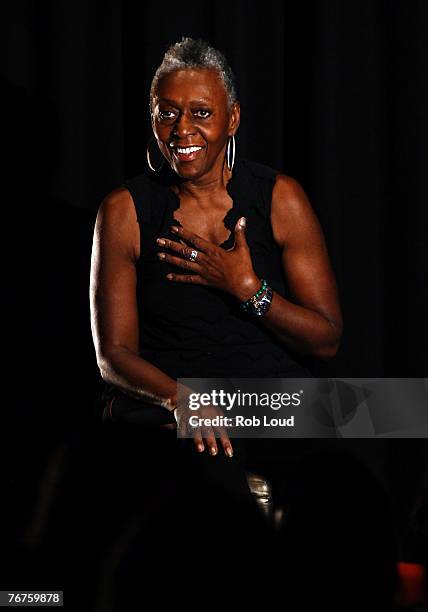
(117, 219)
(117, 202)
(291, 211)
(288, 192)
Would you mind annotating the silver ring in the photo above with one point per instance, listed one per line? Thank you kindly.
(193, 255)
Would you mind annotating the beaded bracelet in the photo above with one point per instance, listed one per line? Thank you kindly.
(257, 305)
(246, 305)
(262, 305)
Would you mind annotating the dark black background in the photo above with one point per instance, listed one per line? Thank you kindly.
(333, 93)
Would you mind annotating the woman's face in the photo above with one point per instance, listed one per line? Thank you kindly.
(191, 121)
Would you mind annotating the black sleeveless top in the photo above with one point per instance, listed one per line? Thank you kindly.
(194, 331)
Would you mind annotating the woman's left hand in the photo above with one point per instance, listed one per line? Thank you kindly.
(231, 271)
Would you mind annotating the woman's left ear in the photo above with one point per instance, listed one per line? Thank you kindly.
(235, 117)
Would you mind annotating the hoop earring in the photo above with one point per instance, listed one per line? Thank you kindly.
(149, 162)
(230, 152)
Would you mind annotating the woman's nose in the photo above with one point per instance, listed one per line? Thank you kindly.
(184, 126)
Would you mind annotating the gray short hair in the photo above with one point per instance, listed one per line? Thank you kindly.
(191, 53)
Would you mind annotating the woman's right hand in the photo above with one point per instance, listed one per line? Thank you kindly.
(204, 434)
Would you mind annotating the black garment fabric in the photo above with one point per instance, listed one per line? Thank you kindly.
(197, 331)
(193, 331)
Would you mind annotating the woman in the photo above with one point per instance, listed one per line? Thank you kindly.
(172, 295)
(210, 227)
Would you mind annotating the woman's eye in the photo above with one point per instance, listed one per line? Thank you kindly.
(203, 113)
(165, 114)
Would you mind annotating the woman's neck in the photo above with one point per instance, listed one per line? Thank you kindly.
(204, 187)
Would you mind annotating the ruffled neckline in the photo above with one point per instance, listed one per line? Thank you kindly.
(232, 215)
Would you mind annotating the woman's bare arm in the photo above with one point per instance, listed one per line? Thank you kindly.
(312, 323)
(114, 312)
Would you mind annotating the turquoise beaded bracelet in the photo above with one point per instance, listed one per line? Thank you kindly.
(245, 305)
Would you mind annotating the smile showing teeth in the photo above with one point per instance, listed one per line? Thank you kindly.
(188, 150)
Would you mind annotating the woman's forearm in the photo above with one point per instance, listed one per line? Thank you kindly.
(305, 331)
(138, 377)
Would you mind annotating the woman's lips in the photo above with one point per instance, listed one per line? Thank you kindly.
(186, 157)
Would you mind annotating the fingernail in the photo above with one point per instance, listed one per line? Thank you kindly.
(213, 450)
(200, 448)
(161, 255)
(160, 241)
(242, 222)
(229, 452)
(174, 228)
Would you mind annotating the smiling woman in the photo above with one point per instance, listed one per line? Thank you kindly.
(226, 272)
